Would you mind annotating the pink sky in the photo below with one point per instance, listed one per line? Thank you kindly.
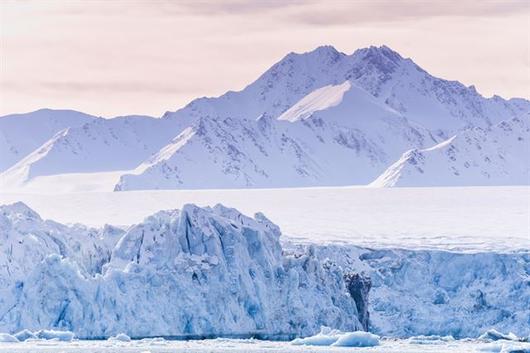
(147, 57)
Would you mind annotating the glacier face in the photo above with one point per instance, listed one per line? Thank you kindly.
(434, 292)
(317, 118)
(213, 271)
(196, 271)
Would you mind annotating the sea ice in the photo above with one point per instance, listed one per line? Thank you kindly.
(120, 337)
(65, 336)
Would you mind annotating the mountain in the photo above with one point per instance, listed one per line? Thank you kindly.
(98, 145)
(360, 133)
(317, 118)
(498, 155)
(21, 134)
(320, 118)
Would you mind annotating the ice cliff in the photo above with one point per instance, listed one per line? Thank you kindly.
(195, 271)
(434, 292)
(202, 272)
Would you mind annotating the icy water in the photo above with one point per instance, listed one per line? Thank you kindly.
(249, 346)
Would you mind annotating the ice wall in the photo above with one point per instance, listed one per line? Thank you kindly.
(214, 272)
(197, 272)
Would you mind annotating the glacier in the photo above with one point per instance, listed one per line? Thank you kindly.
(212, 271)
(189, 272)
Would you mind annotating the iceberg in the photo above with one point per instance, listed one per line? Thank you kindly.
(494, 335)
(336, 338)
(65, 336)
(122, 337)
(24, 335)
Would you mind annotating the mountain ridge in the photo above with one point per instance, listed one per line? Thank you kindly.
(317, 118)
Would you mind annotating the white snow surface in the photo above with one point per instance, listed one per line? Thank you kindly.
(321, 118)
(320, 99)
(446, 218)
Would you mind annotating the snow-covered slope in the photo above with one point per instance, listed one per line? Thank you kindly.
(99, 145)
(210, 271)
(319, 99)
(317, 118)
(499, 155)
(214, 271)
(20, 134)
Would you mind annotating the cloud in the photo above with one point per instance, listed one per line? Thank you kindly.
(140, 87)
(336, 12)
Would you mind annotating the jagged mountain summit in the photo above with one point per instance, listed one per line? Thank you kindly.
(320, 118)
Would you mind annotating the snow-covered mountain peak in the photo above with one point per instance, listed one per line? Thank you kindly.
(316, 118)
(382, 58)
(323, 55)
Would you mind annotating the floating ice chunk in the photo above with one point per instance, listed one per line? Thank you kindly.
(494, 335)
(316, 340)
(329, 337)
(7, 338)
(25, 335)
(357, 339)
(506, 347)
(434, 339)
(65, 336)
(156, 341)
(120, 337)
